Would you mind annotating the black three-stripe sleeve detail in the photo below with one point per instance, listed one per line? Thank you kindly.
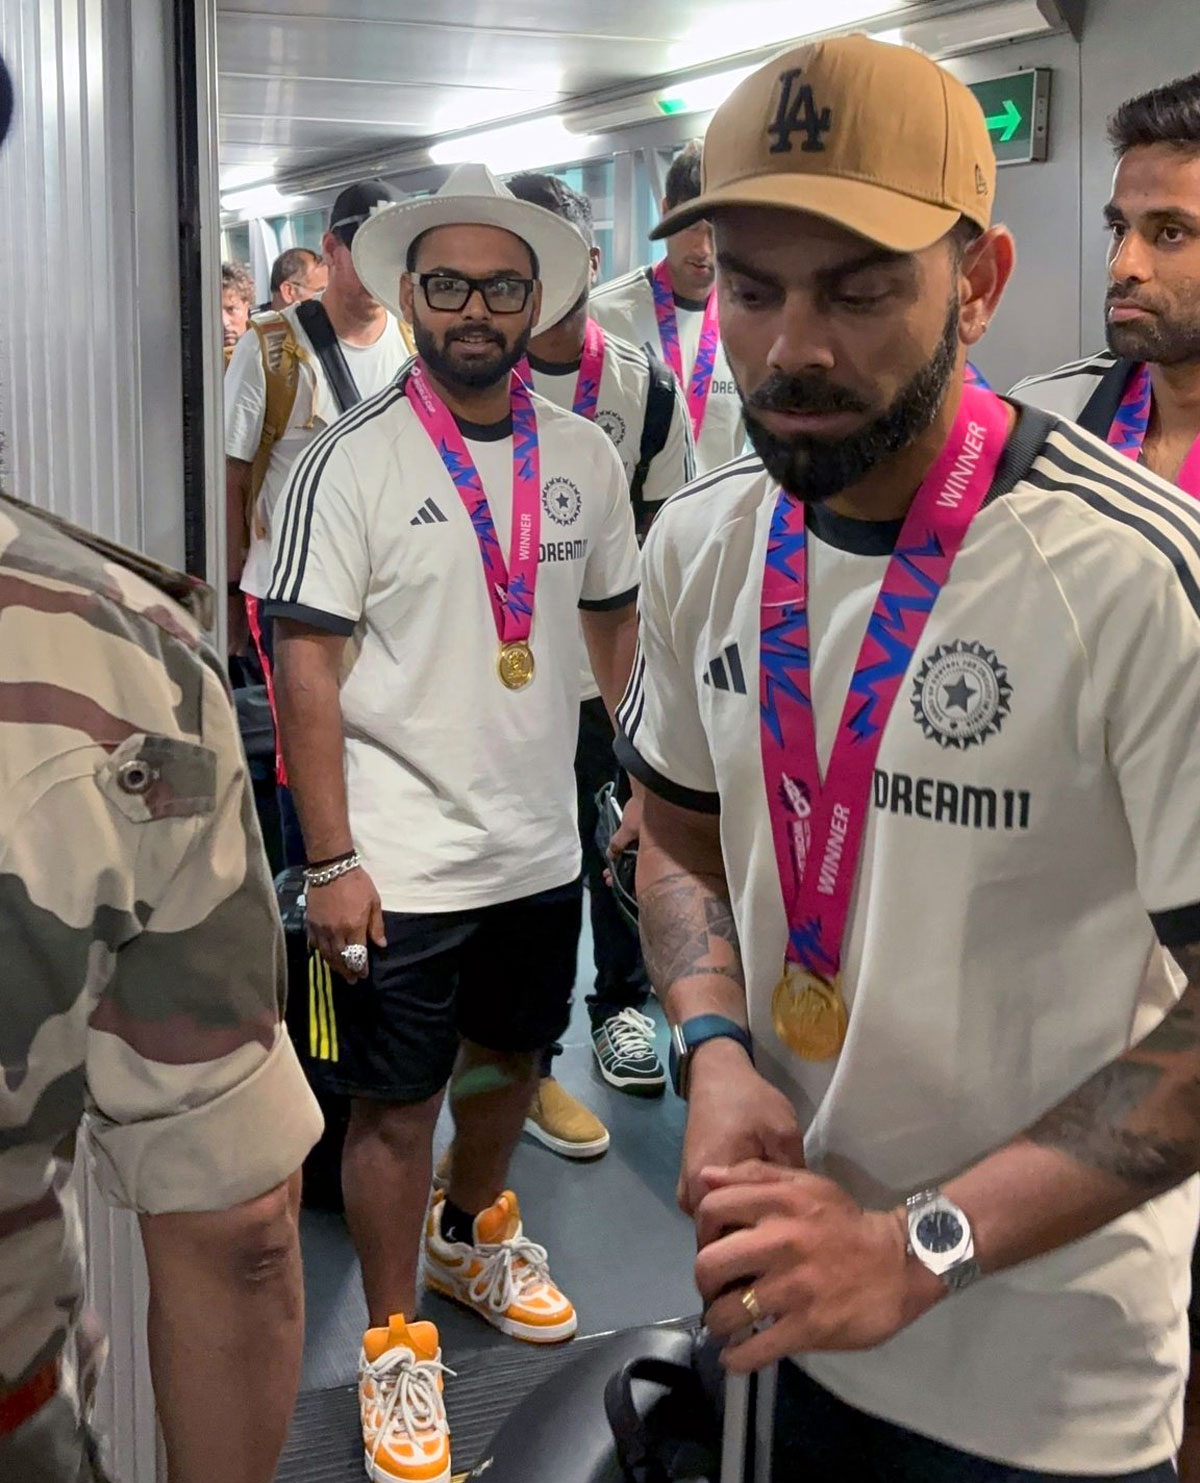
(633, 690)
(636, 766)
(1112, 494)
(608, 604)
(298, 612)
(288, 575)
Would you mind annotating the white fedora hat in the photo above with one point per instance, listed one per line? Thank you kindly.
(473, 197)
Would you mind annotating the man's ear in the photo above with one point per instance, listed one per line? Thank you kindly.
(986, 268)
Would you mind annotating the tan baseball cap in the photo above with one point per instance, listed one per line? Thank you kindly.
(875, 137)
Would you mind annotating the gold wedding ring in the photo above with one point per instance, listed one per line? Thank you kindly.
(750, 1303)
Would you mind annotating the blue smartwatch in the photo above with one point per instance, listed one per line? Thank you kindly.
(688, 1037)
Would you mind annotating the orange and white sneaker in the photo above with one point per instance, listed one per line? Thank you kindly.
(405, 1435)
(503, 1276)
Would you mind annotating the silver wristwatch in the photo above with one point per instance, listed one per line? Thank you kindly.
(939, 1236)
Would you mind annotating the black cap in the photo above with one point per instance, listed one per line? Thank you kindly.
(6, 100)
(355, 204)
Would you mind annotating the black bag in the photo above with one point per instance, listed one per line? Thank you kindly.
(322, 1175)
(255, 722)
(623, 870)
(630, 1410)
(660, 408)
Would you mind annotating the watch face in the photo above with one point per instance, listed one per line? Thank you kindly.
(939, 1231)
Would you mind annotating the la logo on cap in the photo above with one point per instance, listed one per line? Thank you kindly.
(798, 114)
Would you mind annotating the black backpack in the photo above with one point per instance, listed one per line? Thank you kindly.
(660, 408)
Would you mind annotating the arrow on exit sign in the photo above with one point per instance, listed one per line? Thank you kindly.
(1006, 122)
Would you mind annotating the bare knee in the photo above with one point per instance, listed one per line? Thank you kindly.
(397, 1127)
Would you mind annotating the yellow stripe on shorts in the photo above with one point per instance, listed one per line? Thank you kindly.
(313, 1028)
(333, 1040)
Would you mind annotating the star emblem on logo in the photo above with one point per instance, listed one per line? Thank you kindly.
(562, 501)
(961, 695)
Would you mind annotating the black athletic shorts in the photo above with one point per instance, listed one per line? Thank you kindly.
(501, 976)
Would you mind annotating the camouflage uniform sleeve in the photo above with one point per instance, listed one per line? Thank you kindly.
(196, 1100)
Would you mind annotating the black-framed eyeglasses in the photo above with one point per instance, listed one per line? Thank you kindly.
(450, 293)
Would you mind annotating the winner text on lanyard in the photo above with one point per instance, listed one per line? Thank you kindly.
(1127, 432)
(700, 383)
(817, 825)
(510, 586)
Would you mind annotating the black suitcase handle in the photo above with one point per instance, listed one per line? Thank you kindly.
(635, 1445)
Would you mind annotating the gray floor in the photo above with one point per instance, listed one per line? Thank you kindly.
(618, 1245)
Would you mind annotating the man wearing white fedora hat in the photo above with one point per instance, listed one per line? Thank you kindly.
(431, 758)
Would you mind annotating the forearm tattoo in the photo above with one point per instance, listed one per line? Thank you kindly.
(1139, 1118)
(687, 931)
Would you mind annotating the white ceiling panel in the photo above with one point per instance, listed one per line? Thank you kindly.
(304, 82)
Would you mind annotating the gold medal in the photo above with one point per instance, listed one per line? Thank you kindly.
(809, 1014)
(514, 665)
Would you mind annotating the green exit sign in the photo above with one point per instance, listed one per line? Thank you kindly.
(1017, 110)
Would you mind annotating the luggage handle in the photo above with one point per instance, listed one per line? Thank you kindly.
(634, 1450)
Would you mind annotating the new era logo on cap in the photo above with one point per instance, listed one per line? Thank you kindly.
(428, 514)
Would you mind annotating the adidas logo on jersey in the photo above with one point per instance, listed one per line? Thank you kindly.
(725, 672)
(428, 514)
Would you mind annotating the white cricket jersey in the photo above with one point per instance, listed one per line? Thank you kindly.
(1067, 391)
(372, 367)
(1034, 823)
(461, 793)
(625, 306)
(621, 413)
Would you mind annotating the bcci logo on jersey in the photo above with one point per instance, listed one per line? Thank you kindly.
(614, 425)
(960, 697)
(561, 500)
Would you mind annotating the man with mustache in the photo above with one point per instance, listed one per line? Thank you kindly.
(671, 309)
(432, 552)
(910, 890)
(1142, 395)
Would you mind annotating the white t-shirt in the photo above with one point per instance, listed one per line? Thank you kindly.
(315, 408)
(1000, 946)
(621, 413)
(1067, 391)
(625, 307)
(461, 793)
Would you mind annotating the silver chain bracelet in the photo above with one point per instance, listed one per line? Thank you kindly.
(332, 872)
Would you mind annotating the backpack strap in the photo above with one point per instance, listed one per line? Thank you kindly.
(282, 356)
(656, 428)
(315, 323)
(1101, 407)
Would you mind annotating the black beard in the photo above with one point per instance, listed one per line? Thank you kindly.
(815, 469)
(1159, 341)
(471, 378)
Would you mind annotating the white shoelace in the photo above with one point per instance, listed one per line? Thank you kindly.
(414, 1398)
(630, 1033)
(508, 1271)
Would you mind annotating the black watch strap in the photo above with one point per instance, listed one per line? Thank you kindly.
(688, 1036)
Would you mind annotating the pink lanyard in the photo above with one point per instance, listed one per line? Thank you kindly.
(668, 333)
(510, 587)
(591, 369)
(1127, 432)
(820, 824)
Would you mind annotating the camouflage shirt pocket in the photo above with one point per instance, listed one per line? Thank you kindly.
(159, 777)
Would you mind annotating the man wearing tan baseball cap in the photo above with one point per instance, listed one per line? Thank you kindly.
(916, 712)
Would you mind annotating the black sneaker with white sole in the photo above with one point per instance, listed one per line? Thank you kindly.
(624, 1047)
